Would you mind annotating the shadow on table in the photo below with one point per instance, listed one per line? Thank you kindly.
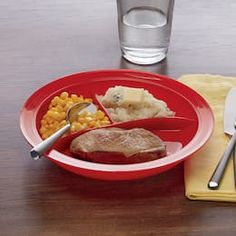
(53, 182)
(159, 68)
(166, 184)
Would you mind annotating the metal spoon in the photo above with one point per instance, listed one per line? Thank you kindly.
(71, 116)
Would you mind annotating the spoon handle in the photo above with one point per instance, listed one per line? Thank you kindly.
(42, 147)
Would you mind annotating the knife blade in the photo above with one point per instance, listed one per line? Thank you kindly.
(229, 128)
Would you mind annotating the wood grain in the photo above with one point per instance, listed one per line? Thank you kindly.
(44, 40)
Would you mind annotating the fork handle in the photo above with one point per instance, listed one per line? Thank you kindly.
(216, 178)
(234, 163)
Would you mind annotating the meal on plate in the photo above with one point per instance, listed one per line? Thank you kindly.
(110, 144)
(55, 117)
(126, 103)
(118, 146)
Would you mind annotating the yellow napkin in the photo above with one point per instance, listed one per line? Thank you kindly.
(199, 168)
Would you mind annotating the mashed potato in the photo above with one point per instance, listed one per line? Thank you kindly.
(126, 103)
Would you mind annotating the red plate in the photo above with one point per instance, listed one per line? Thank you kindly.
(181, 141)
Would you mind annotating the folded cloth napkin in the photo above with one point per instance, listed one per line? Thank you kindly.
(199, 168)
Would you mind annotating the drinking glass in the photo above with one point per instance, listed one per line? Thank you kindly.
(144, 29)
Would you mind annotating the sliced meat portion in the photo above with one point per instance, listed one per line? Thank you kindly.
(118, 146)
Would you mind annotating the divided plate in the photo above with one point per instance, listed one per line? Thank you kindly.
(183, 134)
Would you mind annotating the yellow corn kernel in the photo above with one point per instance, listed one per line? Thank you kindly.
(61, 102)
(55, 101)
(62, 115)
(88, 119)
(81, 120)
(77, 126)
(70, 103)
(91, 124)
(56, 124)
(97, 124)
(73, 128)
(59, 108)
(50, 132)
(64, 95)
(49, 113)
(43, 122)
(84, 126)
(81, 98)
(74, 98)
(43, 130)
(62, 123)
(45, 135)
(46, 126)
(100, 115)
(88, 100)
(49, 119)
(83, 114)
(67, 106)
(104, 122)
(55, 115)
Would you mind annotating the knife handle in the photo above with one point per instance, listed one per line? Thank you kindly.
(215, 179)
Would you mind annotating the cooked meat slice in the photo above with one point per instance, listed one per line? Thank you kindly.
(115, 145)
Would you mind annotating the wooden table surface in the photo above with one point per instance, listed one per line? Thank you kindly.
(43, 40)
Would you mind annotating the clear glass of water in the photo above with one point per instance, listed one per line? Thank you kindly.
(144, 29)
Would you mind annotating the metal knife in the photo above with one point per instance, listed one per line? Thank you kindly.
(229, 128)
